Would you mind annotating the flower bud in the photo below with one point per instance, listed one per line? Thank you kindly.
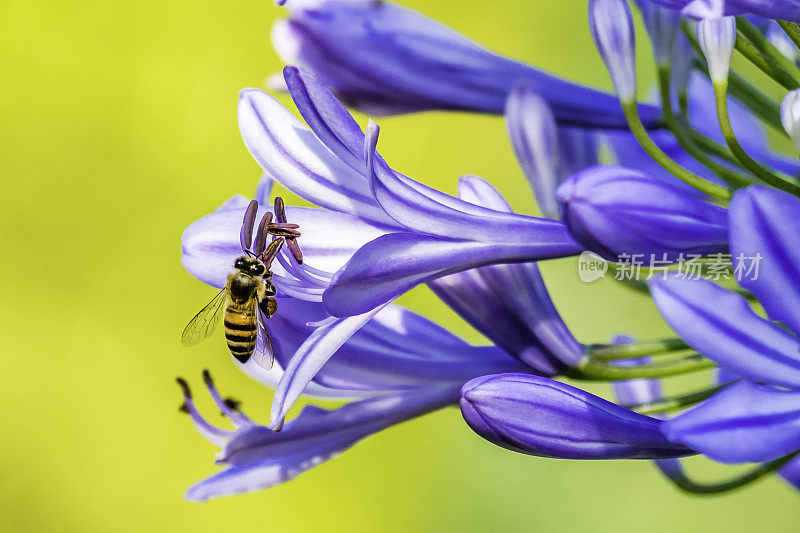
(615, 211)
(612, 30)
(717, 38)
(534, 137)
(538, 416)
(790, 116)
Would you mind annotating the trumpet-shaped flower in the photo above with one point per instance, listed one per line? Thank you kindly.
(384, 59)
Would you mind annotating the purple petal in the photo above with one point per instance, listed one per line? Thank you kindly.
(720, 325)
(509, 303)
(764, 223)
(287, 150)
(309, 359)
(260, 458)
(392, 264)
(791, 472)
(210, 245)
(407, 62)
(539, 416)
(744, 423)
(396, 350)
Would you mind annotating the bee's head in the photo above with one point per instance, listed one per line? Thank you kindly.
(250, 265)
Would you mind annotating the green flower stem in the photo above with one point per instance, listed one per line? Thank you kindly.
(590, 370)
(720, 93)
(613, 352)
(684, 483)
(761, 42)
(631, 111)
(792, 30)
(674, 403)
(732, 178)
(765, 64)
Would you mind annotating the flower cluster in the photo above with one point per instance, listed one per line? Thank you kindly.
(691, 177)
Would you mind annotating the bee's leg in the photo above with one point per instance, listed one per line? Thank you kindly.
(268, 306)
(270, 289)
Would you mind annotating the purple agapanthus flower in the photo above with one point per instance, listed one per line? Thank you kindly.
(384, 350)
(758, 418)
(383, 58)
(773, 9)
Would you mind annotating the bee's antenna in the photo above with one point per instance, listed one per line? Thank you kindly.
(260, 243)
(246, 233)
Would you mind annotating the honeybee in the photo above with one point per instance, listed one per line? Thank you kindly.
(248, 298)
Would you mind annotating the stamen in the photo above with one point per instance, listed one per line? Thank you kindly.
(283, 229)
(324, 322)
(289, 288)
(228, 406)
(213, 434)
(272, 250)
(280, 215)
(297, 271)
(246, 233)
(261, 234)
(280, 212)
(295, 249)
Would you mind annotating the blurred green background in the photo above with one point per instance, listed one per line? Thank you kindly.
(119, 129)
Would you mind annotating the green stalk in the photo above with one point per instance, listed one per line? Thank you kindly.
(765, 64)
(631, 112)
(674, 403)
(792, 30)
(767, 48)
(684, 483)
(590, 370)
(613, 352)
(720, 93)
(732, 178)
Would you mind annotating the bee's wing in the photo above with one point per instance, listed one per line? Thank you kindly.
(204, 322)
(263, 355)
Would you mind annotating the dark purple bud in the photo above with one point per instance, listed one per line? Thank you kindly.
(618, 212)
(539, 416)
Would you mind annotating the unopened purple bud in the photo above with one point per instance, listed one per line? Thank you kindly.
(790, 116)
(534, 137)
(662, 26)
(717, 38)
(621, 213)
(612, 29)
(539, 416)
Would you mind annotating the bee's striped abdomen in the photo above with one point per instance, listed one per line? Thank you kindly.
(241, 330)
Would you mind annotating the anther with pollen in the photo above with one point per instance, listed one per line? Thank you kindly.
(291, 243)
